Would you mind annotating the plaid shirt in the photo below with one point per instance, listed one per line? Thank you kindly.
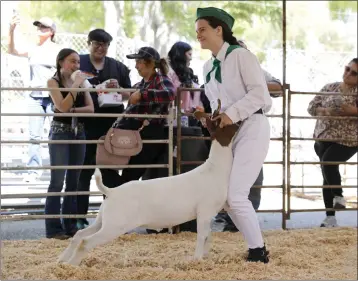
(156, 95)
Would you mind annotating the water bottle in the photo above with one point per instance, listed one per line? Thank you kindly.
(184, 120)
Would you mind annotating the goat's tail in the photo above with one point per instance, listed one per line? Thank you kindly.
(102, 188)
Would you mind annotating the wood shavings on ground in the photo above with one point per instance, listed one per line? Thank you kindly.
(294, 254)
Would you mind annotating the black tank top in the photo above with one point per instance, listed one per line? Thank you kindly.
(79, 102)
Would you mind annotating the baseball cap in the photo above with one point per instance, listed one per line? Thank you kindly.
(145, 53)
(46, 22)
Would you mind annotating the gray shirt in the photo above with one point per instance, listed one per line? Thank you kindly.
(270, 79)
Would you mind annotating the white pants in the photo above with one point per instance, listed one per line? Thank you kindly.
(250, 148)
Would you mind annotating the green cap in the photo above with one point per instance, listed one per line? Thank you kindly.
(216, 13)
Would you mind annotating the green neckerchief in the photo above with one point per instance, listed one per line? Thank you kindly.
(216, 65)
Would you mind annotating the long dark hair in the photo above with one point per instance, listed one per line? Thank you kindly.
(62, 55)
(227, 33)
(178, 62)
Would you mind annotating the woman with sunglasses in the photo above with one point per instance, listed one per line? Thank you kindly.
(343, 133)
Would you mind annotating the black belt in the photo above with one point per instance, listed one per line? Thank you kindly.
(259, 111)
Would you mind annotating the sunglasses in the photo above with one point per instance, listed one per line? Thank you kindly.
(350, 71)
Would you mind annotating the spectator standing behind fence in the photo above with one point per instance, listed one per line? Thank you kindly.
(336, 150)
(42, 59)
(66, 128)
(182, 75)
(101, 68)
(274, 86)
(154, 95)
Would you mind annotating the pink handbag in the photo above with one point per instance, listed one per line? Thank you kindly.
(119, 146)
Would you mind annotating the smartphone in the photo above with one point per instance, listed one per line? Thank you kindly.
(15, 12)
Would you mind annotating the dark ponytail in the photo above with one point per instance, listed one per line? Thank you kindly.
(163, 66)
(229, 37)
(227, 33)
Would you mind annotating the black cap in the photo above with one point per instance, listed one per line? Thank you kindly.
(100, 35)
(145, 53)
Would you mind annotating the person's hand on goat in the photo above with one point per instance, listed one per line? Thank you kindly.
(224, 120)
(135, 97)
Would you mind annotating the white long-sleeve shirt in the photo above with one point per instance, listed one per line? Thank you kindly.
(243, 90)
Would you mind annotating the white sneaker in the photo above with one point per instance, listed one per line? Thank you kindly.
(339, 202)
(329, 221)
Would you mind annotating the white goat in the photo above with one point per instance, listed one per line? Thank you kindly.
(163, 202)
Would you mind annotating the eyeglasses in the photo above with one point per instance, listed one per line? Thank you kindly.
(350, 71)
(99, 44)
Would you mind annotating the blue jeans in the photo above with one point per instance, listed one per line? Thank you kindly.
(36, 126)
(61, 155)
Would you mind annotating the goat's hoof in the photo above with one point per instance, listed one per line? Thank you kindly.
(197, 258)
(73, 263)
(61, 260)
(191, 259)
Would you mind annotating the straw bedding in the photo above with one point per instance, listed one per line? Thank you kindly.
(295, 254)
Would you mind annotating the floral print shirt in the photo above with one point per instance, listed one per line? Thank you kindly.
(338, 128)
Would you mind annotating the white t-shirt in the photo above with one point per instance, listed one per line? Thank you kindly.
(42, 61)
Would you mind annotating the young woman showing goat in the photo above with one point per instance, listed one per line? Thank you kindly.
(234, 75)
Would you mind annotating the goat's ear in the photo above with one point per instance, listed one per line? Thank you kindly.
(199, 115)
(217, 111)
(224, 135)
(210, 125)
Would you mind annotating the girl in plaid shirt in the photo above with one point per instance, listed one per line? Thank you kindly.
(154, 95)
